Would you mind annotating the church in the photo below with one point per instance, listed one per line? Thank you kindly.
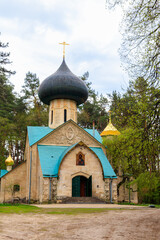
(62, 160)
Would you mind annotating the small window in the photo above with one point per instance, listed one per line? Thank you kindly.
(65, 115)
(51, 116)
(16, 188)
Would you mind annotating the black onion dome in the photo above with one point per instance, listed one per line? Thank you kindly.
(63, 84)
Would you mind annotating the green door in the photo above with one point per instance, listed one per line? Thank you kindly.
(76, 184)
(81, 186)
(89, 187)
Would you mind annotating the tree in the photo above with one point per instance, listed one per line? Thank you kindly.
(4, 60)
(136, 114)
(148, 187)
(7, 104)
(140, 50)
(37, 112)
(94, 109)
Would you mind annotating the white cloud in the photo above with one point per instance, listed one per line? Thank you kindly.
(35, 30)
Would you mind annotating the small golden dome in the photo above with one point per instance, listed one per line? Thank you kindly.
(110, 129)
(9, 161)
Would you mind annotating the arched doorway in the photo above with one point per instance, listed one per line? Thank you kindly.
(81, 186)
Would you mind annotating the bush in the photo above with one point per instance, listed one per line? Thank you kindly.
(148, 188)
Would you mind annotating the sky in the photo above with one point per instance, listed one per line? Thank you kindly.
(34, 29)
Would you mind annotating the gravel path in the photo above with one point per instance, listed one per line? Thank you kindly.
(137, 224)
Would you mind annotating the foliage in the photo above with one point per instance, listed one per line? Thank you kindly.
(38, 113)
(140, 50)
(94, 109)
(4, 59)
(148, 187)
(136, 115)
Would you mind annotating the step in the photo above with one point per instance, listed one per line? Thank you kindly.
(81, 200)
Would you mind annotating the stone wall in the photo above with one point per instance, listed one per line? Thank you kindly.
(108, 190)
(69, 169)
(45, 193)
(56, 111)
(124, 192)
(17, 176)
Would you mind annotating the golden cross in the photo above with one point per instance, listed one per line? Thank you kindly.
(64, 44)
(110, 116)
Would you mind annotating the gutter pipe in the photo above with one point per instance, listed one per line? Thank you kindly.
(111, 191)
(30, 175)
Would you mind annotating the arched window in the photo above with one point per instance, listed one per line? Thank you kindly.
(65, 115)
(51, 116)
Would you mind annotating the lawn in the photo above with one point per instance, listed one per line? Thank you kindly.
(19, 209)
(142, 204)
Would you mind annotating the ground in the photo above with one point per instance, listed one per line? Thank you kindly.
(113, 224)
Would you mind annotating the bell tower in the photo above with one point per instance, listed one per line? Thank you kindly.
(62, 91)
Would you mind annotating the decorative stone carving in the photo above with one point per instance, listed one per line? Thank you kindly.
(69, 134)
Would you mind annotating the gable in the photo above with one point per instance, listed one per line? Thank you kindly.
(52, 156)
(68, 134)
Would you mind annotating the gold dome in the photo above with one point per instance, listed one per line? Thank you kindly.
(110, 129)
(9, 161)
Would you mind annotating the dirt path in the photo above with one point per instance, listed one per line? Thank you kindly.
(117, 206)
(113, 225)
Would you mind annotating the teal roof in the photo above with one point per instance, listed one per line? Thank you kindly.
(96, 134)
(3, 172)
(107, 168)
(51, 157)
(36, 133)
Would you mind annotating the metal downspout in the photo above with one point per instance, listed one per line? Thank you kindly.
(30, 175)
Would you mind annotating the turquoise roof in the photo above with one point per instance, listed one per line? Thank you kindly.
(3, 172)
(36, 133)
(107, 168)
(51, 157)
(96, 134)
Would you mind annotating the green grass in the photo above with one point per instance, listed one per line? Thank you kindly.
(19, 209)
(8, 208)
(75, 211)
(143, 204)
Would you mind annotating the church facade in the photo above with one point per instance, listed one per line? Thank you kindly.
(62, 160)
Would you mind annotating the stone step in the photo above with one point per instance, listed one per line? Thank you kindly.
(81, 200)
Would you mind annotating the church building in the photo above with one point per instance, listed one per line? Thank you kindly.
(62, 160)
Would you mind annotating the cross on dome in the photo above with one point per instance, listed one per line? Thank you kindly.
(64, 44)
(110, 116)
